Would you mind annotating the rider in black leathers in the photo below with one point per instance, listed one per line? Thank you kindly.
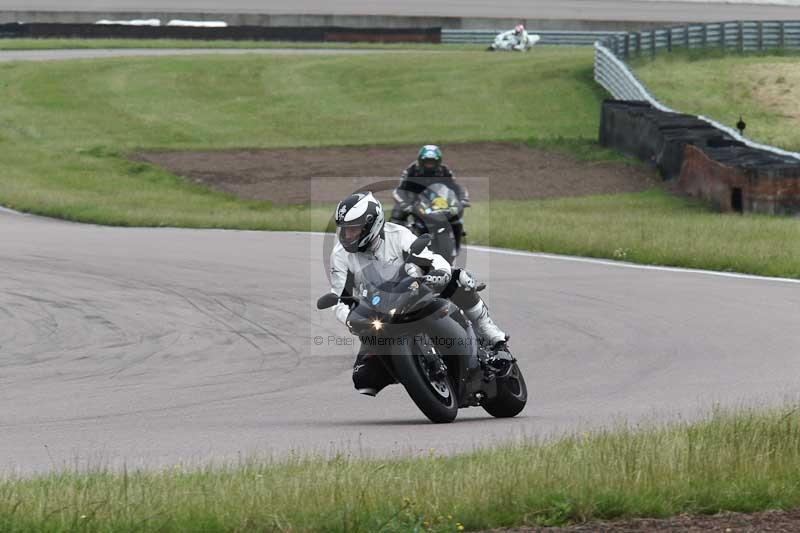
(424, 172)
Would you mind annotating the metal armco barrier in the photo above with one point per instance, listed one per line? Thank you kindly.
(288, 33)
(728, 36)
(568, 38)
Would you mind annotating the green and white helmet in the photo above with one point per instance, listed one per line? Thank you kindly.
(429, 157)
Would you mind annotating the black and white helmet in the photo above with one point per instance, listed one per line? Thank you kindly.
(359, 219)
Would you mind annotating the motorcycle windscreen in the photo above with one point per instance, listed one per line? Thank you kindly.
(376, 277)
(386, 288)
(438, 198)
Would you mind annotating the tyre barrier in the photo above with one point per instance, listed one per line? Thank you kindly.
(14, 30)
(229, 33)
(701, 160)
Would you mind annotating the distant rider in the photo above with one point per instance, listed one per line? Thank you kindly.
(517, 39)
(421, 174)
(364, 237)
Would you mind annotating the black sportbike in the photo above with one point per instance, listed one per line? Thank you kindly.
(437, 211)
(428, 345)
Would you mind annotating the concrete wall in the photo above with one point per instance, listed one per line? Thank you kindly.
(345, 21)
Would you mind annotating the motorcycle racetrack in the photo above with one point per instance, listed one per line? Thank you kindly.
(149, 347)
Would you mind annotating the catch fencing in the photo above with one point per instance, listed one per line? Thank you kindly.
(615, 75)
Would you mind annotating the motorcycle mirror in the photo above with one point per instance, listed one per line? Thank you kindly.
(327, 300)
(418, 245)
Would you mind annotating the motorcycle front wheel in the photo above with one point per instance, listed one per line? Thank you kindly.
(512, 395)
(430, 388)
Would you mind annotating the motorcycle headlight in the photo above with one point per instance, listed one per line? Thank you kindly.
(377, 325)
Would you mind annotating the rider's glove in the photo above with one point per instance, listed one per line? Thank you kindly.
(414, 271)
(437, 279)
(348, 324)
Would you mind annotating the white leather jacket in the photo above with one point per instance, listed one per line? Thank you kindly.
(518, 42)
(391, 248)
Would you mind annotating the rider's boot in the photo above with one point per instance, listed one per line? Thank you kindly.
(370, 375)
(492, 337)
(464, 293)
(487, 331)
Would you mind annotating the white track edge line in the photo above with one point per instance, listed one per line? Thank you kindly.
(624, 264)
(487, 249)
(618, 264)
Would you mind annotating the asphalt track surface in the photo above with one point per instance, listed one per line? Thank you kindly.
(150, 347)
(641, 10)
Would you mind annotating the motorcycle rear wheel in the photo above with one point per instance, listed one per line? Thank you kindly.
(436, 398)
(512, 395)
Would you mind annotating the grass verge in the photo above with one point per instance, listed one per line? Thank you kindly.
(746, 462)
(762, 88)
(653, 227)
(65, 128)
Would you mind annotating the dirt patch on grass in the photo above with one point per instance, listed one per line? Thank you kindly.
(511, 171)
(768, 521)
(776, 88)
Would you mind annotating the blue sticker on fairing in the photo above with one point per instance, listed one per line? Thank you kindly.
(376, 300)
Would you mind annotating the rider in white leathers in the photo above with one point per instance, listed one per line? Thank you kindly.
(390, 248)
(363, 237)
(517, 39)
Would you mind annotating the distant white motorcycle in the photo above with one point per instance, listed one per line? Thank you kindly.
(513, 41)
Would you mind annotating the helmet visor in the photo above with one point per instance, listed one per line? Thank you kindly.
(430, 164)
(349, 236)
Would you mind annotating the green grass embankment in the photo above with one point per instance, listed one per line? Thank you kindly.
(736, 462)
(763, 89)
(66, 129)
